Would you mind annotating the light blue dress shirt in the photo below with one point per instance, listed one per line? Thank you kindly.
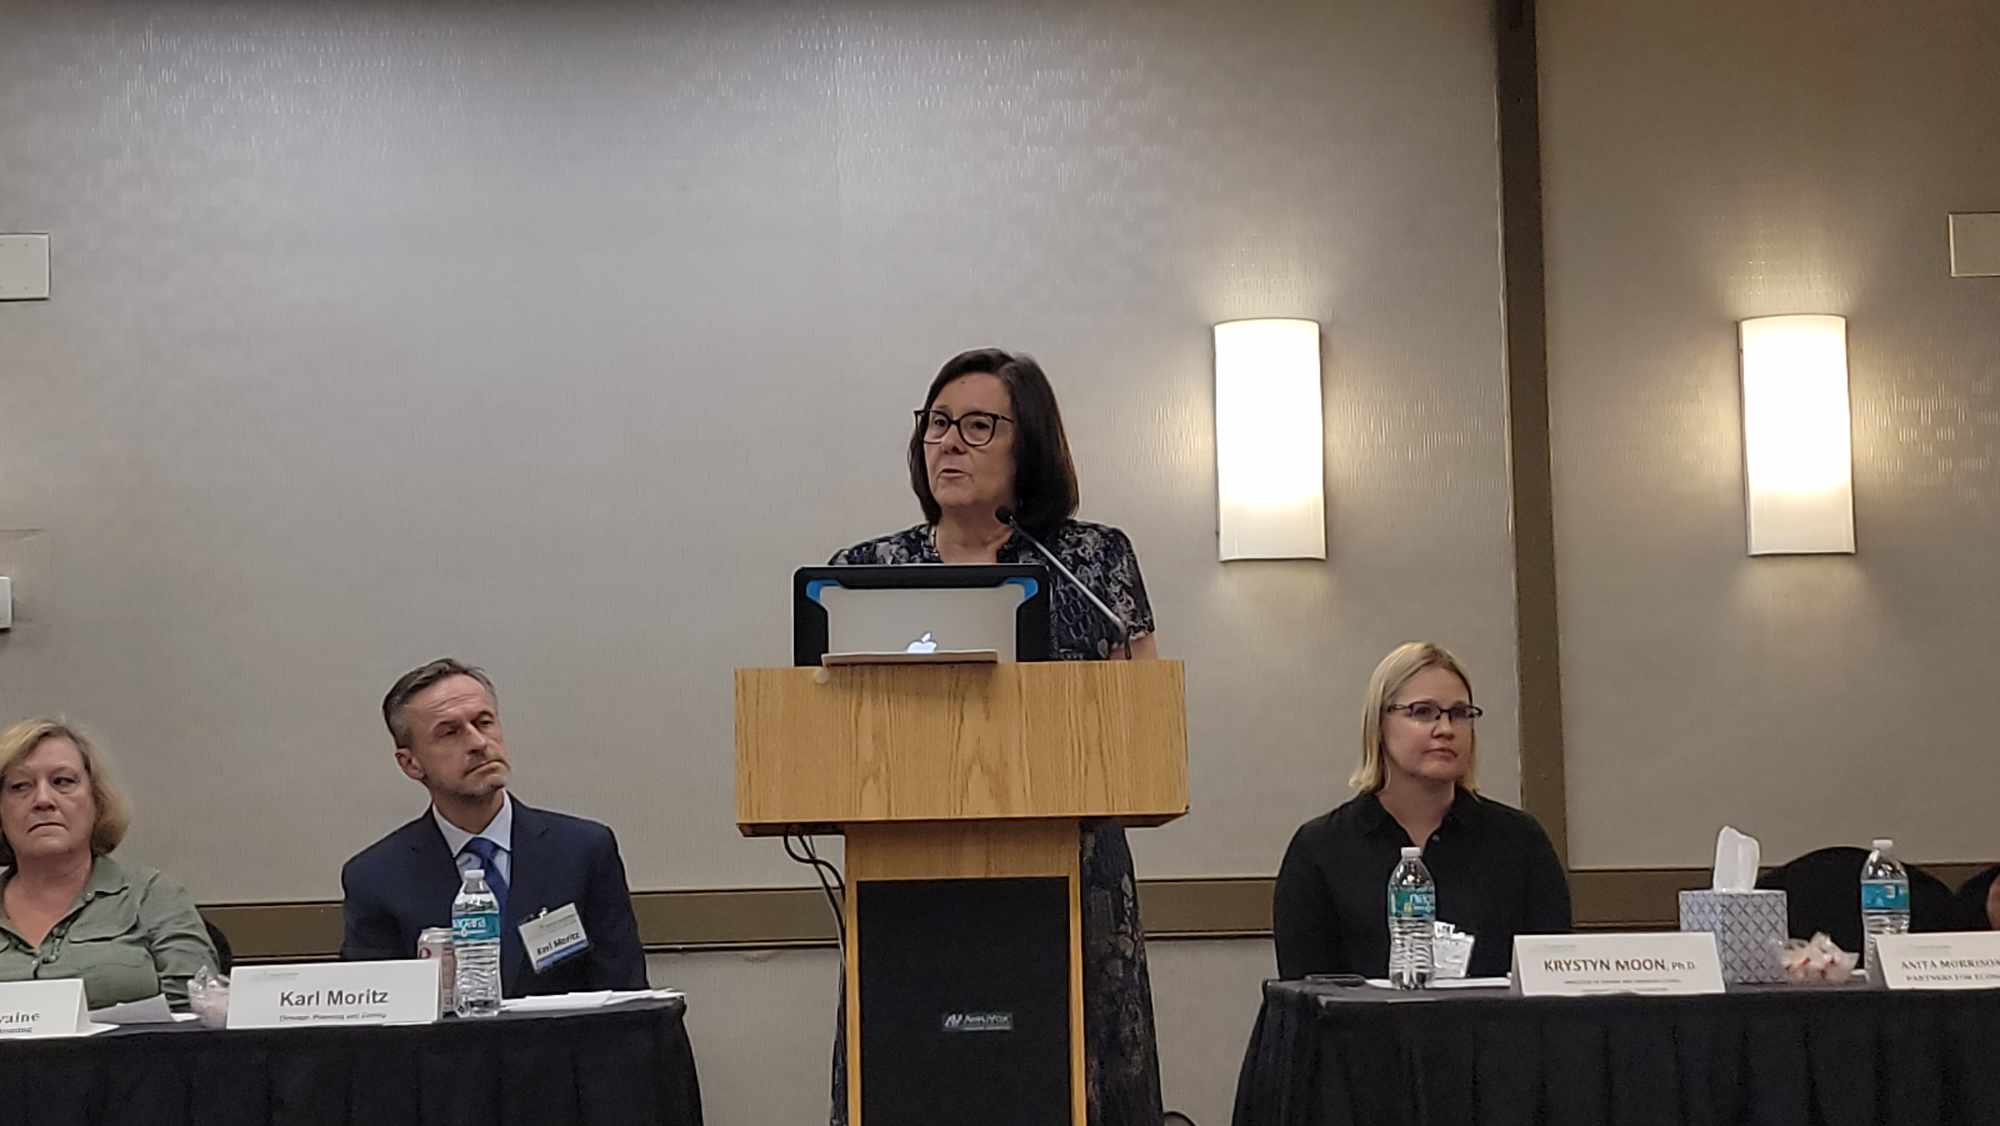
(500, 831)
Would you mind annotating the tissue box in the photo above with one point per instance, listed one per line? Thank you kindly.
(1749, 928)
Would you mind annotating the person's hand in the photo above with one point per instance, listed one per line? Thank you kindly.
(1993, 906)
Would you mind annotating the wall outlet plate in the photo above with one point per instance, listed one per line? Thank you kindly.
(1975, 244)
(24, 267)
(6, 602)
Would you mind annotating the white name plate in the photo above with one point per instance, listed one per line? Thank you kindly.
(1959, 960)
(324, 993)
(43, 1008)
(1583, 965)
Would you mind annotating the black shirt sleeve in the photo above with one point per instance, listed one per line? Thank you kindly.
(1968, 907)
(1306, 935)
(1548, 908)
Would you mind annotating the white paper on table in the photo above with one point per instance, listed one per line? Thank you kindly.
(1450, 983)
(90, 1028)
(557, 1002)
(152, 1010)
(620, 996)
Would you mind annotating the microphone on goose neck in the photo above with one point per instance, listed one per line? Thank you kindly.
(1006, 516)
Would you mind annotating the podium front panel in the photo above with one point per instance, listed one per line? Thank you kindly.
(965, 1001)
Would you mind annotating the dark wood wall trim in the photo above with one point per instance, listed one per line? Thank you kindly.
(1537, 636)
(779, 918)
(1649, 898)
(748, 918)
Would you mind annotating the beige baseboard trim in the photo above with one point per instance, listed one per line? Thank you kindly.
(782, 918)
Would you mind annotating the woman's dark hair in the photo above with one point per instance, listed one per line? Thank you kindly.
(1045, 492)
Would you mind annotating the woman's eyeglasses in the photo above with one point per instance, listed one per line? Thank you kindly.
(976, 428)
(1428, 711)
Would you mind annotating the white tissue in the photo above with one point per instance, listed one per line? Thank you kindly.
(1736, 859)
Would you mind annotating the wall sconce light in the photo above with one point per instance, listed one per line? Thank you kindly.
(1269, 445)
(1798, 467)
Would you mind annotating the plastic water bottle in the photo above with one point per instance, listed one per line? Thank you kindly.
(1412, 921)
(475, 946)
(1885, 896)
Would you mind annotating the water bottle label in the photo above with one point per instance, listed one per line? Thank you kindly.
(1412, 903)
(1884, 895)
(481, 927)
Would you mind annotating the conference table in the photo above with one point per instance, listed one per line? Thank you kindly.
(1844, 1055)
(624, 1064)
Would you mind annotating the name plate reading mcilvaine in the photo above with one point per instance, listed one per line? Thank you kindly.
(333, 993)
(1954, 960)
(1584, 965)
(42, 1008)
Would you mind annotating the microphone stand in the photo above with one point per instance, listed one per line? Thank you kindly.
(1006, 516)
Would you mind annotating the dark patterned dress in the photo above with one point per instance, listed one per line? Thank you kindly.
(1121, 1057)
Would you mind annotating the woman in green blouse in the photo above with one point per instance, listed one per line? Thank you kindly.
(67, 910)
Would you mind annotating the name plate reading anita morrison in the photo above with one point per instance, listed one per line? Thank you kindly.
(1962, 960)
(1584, 965)
(334, 993)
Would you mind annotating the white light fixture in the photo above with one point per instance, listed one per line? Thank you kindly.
(1798, 468)
(1269, 449)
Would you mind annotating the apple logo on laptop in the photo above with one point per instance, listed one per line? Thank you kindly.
(922, 644)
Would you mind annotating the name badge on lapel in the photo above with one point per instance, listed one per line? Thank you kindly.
(554, 936)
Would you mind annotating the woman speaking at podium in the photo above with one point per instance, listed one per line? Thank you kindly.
(989, 461)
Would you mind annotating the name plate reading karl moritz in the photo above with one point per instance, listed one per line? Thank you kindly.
(334, 993)
(1584, 965)
(1964, 960)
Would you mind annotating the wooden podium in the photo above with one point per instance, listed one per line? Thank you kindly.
(960, 789)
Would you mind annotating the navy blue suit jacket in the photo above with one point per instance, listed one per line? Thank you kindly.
(405, 882)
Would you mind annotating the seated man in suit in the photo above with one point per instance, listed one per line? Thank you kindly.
(445, 719)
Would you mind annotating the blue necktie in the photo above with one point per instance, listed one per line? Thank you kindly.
(489, 857)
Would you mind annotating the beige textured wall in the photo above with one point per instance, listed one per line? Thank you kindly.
(555, 337)
(1707, 162)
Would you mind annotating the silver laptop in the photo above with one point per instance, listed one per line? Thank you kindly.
(920, 610)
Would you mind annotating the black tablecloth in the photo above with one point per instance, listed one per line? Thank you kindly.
(622, 1065)
(1773, 1056)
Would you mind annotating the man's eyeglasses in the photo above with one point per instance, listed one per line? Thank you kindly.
(1428, 711)
(975, 427)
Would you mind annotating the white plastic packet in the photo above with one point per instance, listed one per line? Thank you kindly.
(208, 996)
(1451, 951)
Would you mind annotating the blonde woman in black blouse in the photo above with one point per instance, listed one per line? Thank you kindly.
(1497, 875)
